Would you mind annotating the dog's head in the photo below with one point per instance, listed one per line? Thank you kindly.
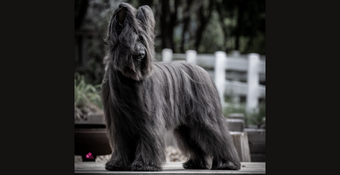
(130, 39)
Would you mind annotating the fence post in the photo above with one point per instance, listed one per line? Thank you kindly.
(253, 81)
(166, 55)
(235, 98)
(220, 61)
(191, 56)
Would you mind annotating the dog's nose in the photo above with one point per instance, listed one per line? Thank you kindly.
(141, 54)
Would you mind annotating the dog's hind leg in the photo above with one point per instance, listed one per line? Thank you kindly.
(225, 156)
(197, 156)
(202, 140)
(216, 140)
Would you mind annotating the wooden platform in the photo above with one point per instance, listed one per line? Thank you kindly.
(170, 168)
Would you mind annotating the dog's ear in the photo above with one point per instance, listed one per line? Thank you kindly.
(121, 15)
(124, 12)
(122, 21)
(145, 15)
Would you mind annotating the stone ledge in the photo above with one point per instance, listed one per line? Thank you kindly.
(170, 168)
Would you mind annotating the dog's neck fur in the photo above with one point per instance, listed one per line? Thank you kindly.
(123, 89)
(122, 85)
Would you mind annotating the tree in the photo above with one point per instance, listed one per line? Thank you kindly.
(249, 23)
(204, 14)
(80, 12)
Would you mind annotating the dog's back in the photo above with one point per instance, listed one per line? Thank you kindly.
(189, 93)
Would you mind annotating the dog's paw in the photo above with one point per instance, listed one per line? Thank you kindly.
(190, 164)
(225, 165)
(141, 166)
(114, 165)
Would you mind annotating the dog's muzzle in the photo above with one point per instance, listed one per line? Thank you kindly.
(140, 55)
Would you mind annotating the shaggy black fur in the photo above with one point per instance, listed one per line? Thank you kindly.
(143, 99)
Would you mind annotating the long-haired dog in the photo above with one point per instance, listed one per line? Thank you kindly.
(143, 99)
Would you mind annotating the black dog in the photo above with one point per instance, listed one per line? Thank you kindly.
(143, 99)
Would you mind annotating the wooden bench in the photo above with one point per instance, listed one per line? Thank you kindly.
(170, 168)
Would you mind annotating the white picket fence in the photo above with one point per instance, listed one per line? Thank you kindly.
(220, 62)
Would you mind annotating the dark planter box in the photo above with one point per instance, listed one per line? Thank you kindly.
(90, 136)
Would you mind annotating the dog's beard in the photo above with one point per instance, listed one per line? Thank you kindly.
(132, 68)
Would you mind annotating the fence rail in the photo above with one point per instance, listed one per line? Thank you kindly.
(234, 63)
(252, 66)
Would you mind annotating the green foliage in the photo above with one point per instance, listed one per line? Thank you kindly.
(95, 26)
(233, 108)
(212, 39)
(253, 117)
(85, 94)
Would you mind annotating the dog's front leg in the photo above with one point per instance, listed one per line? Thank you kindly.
(122, 146)
(122, 154)
(150, 153)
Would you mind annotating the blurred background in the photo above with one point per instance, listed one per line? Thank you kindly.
(206, 26)
(202, 25)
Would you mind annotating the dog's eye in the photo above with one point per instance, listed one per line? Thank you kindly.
(140, 38)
